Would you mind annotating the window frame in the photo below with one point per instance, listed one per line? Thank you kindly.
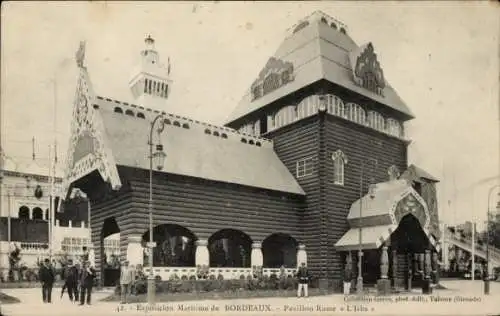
(339, 162)
(302, 169)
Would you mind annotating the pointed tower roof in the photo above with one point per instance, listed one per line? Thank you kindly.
(319, 47)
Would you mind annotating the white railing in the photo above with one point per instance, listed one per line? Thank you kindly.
(468, 241)
(31, 247)
(228, 273)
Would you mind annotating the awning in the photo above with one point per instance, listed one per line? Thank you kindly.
(372, 237)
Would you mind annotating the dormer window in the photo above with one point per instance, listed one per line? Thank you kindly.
(339, 160)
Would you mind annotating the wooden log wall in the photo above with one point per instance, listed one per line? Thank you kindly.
(292, 143)
(205, 207)
(358, 143)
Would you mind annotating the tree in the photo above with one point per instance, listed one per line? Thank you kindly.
(494, 230)
(14, 258)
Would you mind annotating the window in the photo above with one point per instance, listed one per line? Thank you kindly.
(376, 121)
(357, 114)
(305, 167)
(141, 115)
(339, 159)
(118, 110)
(37, 213)
(24, 212)
(129, 112)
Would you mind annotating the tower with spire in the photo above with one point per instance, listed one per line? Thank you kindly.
(150, 81)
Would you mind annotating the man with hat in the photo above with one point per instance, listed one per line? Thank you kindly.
(46, 275)
(86, 283)
(127, 277)
(71, 281)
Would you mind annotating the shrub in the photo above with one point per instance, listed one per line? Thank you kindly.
(220, 277)
(192, 277)
(184, 277)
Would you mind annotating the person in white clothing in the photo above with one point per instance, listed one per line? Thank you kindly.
(303, 278)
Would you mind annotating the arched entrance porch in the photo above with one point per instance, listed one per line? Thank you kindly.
(175, 246)
(279, 250)
(110, 266)
(393, 235)
(230, 248)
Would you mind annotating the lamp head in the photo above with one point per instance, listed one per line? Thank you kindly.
(159, 157)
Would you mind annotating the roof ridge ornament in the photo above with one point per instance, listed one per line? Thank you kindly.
(80, 54)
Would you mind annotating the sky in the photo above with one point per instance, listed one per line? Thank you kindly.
(441, 57)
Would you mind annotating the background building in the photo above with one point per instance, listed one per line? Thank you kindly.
(24, 216)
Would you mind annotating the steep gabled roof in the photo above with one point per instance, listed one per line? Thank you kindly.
(316, 50)
(192, 152)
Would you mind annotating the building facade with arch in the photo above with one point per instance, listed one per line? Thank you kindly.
(277, 185)
(24, 216)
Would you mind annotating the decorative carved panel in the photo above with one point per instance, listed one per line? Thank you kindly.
(410, 205)
(275, 74)
(87, 150)
(368, 72)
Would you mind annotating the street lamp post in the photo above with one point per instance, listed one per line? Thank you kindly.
(487, 277)
(359, 286)
(159, 157)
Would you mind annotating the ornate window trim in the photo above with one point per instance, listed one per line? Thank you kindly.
(339, 160)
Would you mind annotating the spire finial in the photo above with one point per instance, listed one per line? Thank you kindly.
(149, 40)
(80, 54)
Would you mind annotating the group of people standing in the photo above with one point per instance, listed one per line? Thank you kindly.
(78, 281)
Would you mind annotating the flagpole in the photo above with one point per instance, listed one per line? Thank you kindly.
(50, 205)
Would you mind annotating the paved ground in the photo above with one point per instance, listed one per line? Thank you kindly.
(452, 301)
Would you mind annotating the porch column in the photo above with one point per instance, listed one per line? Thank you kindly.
(202, 256)
(134, 250)
(384, 263)
(301, 255)
(410, 268)
(421, 264)
(384, 284)
(435, 268)
(427, 267)
(256, 258)
(394, 267)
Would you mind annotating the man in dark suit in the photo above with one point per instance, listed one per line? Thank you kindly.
(46, 275)
(71, 281)
(87, 275)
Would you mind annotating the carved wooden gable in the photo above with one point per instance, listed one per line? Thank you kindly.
(275, 74)
(411, 203)
(88, 150)
(367, 70)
